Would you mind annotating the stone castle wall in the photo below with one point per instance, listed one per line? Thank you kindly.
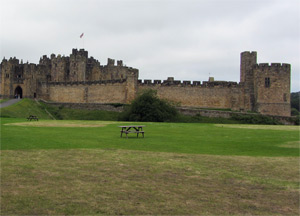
(85, 92)
(206, 95)
(81, 79)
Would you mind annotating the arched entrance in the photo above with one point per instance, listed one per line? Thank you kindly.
(18, 92)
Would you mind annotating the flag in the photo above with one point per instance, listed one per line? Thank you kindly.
(81, 35)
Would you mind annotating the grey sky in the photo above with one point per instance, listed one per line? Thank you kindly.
(185, 39)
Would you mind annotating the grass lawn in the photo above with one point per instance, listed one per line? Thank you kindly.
(84, 167)
(3, 100)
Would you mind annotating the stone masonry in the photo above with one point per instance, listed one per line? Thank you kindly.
(77, 78)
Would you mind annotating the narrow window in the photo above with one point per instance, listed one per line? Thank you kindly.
(267, 82)
(7, 75)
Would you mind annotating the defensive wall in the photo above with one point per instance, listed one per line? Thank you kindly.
(85, 92)
(77, 78)
(211, 94)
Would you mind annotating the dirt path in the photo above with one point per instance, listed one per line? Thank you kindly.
(9, 102)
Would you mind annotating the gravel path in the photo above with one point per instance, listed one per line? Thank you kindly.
(9, 102)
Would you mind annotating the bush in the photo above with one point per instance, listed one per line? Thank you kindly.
(255, 119)
(294, 112)
(295, 100)
(147, 107)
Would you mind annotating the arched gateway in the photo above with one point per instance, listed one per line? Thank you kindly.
(18, 92)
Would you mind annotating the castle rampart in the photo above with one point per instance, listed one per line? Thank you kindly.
(78, 78)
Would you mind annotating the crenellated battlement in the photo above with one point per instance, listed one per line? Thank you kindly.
(14, 61)
(248, 53)
(81, 52)
(186, 83)
(280, 67)
(111, 62)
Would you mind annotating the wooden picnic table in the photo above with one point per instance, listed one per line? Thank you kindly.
(33, 117)
(138, 129)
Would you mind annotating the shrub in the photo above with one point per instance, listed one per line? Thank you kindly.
(294, 112)
(147, 107)
(255, 119)
(295, 100)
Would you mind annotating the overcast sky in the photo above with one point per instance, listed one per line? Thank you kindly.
(185, 39)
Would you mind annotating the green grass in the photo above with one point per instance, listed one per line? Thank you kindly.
(23, 109)
(28, 107)
(80, 114)
(160, 137)
(122, 182)
(66, 168)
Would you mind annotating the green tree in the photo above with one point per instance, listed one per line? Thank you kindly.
(295, 98)
(147, 107)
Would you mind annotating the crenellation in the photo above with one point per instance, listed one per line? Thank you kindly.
(262, 65)
(120, 63)
(147, 81)
(80, 52)
(196, 83)
(185, 82)
(172, 82)
(275, 67)
(275, 64)
(110, 62)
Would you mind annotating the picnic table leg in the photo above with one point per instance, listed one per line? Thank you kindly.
(122, 132)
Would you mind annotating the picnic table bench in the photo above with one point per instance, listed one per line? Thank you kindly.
(33, 117)
(138, 129)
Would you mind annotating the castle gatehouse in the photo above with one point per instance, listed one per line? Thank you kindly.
(263, 88)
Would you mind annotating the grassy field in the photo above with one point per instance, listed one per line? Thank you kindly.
(26, 107)
(85, 168)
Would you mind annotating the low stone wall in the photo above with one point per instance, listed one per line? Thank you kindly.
(228, 114)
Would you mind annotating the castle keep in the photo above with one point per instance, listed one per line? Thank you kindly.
(78, 78)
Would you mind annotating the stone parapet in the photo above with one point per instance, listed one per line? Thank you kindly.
(187, 83)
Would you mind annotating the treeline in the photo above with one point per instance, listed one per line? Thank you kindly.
(295, 100)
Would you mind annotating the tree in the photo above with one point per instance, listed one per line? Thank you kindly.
(147, 107)
(295, 97)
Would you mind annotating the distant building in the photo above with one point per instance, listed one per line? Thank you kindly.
(78, 78)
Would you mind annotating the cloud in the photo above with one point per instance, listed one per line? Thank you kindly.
(186, 39)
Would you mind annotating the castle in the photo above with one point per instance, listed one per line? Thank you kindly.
(77, 78)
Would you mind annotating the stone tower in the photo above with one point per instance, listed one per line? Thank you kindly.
(266, 88)
(272, 89)
(248, 61)
(12, 77)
